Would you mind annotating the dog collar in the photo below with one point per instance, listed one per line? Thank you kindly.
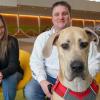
(63, 91)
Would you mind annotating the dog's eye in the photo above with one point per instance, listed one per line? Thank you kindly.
(65, 45)
(83, 44)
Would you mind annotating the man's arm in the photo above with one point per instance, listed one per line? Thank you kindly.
(38, 65)
(94, 59)
(37, 60)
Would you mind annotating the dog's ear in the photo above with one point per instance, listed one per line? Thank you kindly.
(92, 35)
(49, 44)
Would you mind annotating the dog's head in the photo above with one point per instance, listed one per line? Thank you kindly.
(73, 48)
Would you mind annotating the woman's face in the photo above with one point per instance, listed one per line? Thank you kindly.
(1, 29)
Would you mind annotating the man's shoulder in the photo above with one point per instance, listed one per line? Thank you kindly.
(46, 33)
(43, 35)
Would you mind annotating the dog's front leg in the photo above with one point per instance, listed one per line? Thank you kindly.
(56, 97)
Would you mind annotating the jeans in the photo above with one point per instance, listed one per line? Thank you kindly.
(33, 90)
(9, 86)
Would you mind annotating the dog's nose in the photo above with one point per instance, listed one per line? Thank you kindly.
(77, 66)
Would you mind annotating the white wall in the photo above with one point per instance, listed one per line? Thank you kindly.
(8, 2)
(75, 4)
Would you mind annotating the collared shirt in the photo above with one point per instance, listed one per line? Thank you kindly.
(42, 66)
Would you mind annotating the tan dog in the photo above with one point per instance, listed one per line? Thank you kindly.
(73, 47)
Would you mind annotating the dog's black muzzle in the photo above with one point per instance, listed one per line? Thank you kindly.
(77, 66)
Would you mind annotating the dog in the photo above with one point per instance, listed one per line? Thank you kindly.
(74, 81)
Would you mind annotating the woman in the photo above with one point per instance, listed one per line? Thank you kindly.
(10, 70)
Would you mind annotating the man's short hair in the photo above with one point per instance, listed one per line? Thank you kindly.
(62, 3)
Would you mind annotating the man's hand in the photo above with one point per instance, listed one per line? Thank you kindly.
(1, 77)
(44, 84)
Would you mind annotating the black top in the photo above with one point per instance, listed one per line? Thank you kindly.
(11, 63)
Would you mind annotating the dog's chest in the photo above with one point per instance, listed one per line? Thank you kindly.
(85, 96)
(64, 93)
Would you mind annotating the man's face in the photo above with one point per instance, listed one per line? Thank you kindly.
(60, 17)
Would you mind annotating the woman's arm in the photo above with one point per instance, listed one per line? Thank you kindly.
(13, 58)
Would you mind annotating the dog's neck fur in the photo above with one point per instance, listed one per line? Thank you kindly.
(77, 85)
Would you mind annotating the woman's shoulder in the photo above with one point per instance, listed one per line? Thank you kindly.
(12, 41)
(12, 38)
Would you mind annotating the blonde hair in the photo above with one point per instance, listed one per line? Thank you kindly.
(3, 41)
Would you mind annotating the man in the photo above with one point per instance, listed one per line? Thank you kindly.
(45, 70)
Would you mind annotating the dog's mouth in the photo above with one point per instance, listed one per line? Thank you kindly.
(80, 75)
(75, 75)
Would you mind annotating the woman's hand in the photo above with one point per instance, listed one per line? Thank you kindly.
(44, 84)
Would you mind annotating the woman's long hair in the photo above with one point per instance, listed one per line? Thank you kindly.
(3, 41)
